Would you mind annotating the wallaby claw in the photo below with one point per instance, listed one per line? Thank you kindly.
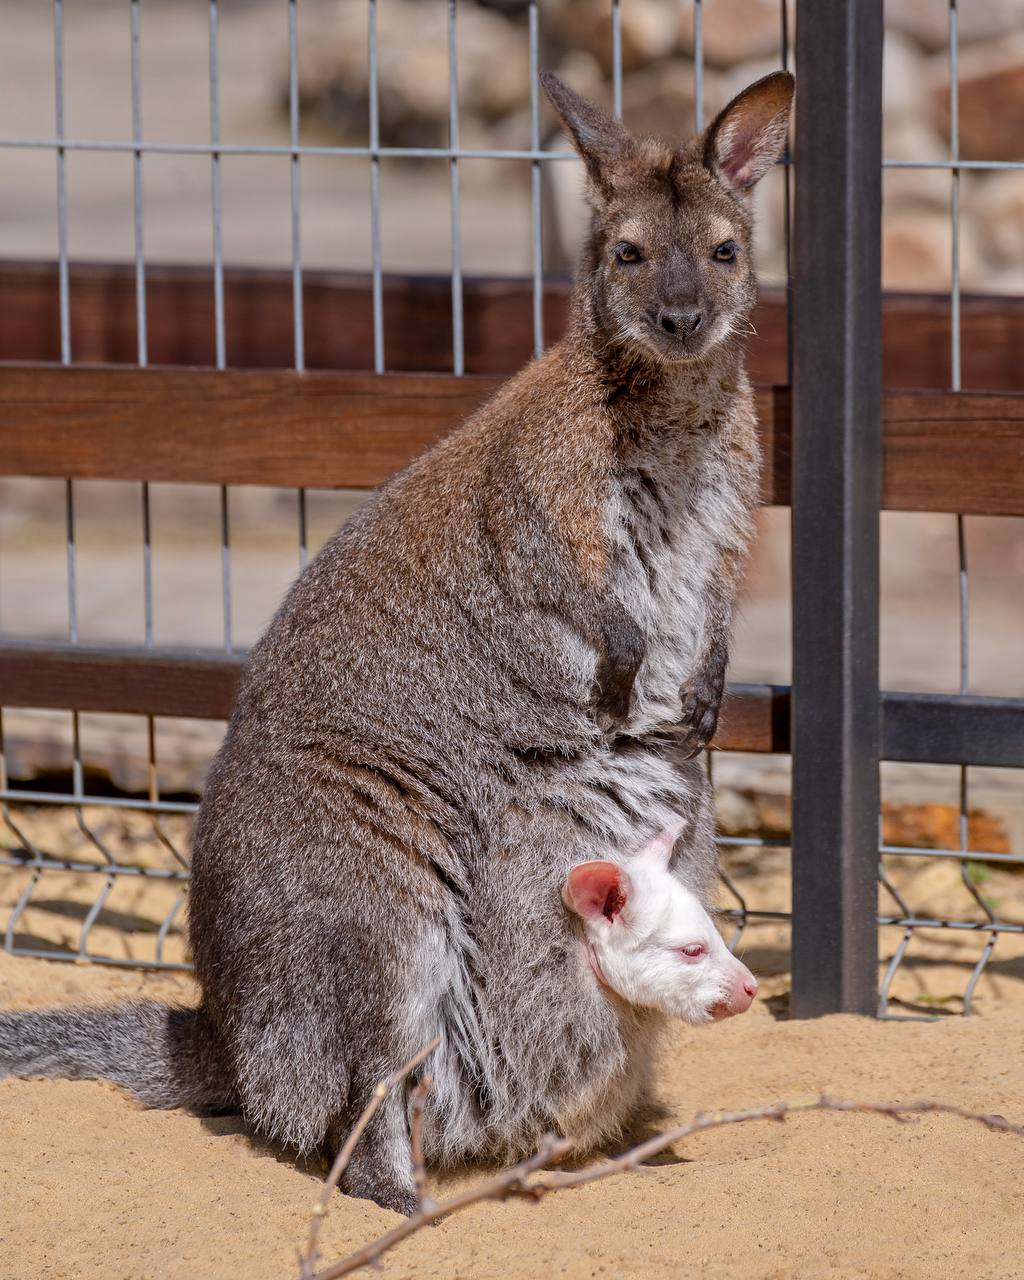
(701, 702)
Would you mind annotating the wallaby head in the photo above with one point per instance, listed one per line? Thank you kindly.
(649, 939)
(668, 268)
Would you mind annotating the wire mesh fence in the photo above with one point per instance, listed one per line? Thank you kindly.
(99, 871)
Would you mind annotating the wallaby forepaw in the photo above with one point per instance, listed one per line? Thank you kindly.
(612, 704)
(698, 722)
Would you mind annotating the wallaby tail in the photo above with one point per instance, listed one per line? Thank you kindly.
(167, 1057)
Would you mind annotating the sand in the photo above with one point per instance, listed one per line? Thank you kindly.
(92, 1185)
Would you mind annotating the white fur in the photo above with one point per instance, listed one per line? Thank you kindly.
(709, 517)
(637, 951)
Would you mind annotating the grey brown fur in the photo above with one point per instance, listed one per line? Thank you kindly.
(503, 665)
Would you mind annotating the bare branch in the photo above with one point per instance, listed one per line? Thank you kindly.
(419, 1170)
(518, 1182)
(510, 1182)
(898, 1111)
(307, 1260)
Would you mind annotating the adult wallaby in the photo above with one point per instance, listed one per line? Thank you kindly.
(503, 665)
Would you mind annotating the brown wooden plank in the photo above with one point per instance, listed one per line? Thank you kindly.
(318, 430)
(954, 452)
(337, 314)
(944, 451)
(160, 682)
(754, 717)
(337, 310)
(315, 430)
(202, 685)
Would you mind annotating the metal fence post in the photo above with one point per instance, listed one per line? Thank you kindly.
(836, 498)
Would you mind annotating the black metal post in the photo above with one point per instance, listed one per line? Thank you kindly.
(837, 437)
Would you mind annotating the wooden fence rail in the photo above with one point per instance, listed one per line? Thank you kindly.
(498, 323)
(944, 451)
(201, 684)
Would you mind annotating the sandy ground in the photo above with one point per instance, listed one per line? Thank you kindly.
(94, 1186)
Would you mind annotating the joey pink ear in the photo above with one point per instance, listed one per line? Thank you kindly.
(596, 889)
(749, 135)
(660, 848)
(598, 137)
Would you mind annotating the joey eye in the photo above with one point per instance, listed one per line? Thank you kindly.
(626, 252)
(692, 950)
(725, 252)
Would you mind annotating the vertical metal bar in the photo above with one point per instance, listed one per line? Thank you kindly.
(69, 489)
(147, 566)
(375, 242)
(698, 65)
(65, 315)
(724, 877)
(954, 327)
(140, 263)
(956, 382)
(72, 560)
(142, 344)
(836, 500)
(296, 194)
(617, 59)
(303, 528)
(26, 844)
(218, 303)
(954, 195)
(536, 179)
(296, 191)
(458, 338)
(215, 191)
(62, 194)
(225, 566)
(154, 795)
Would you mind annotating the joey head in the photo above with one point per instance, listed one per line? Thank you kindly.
(649, 938)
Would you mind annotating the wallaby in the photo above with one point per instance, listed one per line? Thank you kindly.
(506, 660)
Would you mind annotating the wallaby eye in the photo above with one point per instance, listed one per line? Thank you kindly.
(692, 950)
(725, 252)
(626, 252)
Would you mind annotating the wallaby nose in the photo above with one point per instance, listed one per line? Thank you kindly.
(740, 997)
(681, 322)
(743, 993)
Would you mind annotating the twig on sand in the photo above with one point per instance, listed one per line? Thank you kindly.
(530, 1180)
(307, 1260)
(898, 1111)
(510, 1182)
(419, 1169)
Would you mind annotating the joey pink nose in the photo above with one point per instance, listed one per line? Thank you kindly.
(740, 998)
(743, 994)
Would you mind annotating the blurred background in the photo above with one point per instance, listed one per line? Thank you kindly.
(741, 40)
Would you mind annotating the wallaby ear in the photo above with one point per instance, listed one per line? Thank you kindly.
(660, 848)
(595, 889)
(748, 136)
(598, 137)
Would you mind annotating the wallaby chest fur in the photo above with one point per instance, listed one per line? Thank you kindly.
(503, 665)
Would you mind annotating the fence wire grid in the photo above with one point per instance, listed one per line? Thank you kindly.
(112, 865)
